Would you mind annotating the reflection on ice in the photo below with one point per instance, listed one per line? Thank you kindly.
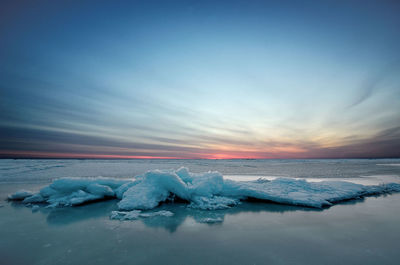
(168, 216)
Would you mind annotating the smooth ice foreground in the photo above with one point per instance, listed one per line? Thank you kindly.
(208, 191)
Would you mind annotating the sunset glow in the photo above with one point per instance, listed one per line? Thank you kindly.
(199, 80)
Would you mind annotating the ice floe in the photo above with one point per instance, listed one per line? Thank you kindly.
(135, 214)
(207, 191)
(35, 208)
(210, 220)
(20, 195)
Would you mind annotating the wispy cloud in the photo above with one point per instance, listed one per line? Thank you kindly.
(373, 82)
(199, 80)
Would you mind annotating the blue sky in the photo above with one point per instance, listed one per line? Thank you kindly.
(200, 79)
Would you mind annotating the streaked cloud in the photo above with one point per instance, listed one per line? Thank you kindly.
(230, 79)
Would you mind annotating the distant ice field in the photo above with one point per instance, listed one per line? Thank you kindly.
(45, 171)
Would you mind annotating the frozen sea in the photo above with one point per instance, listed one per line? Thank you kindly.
(363, 230)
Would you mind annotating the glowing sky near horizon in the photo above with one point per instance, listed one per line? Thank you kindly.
(200, 79)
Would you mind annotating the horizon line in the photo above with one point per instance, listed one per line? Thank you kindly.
(170, 158)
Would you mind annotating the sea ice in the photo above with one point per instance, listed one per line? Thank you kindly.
(35, 208)
(207, 191)
(135, 214)
(20, 195)
(131, 215)
(158, 213)
(210, 220)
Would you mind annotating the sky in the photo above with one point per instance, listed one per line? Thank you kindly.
(200, 79)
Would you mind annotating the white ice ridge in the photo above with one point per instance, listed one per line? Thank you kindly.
(208, 191)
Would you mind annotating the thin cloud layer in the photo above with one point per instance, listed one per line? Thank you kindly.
(193, 79)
